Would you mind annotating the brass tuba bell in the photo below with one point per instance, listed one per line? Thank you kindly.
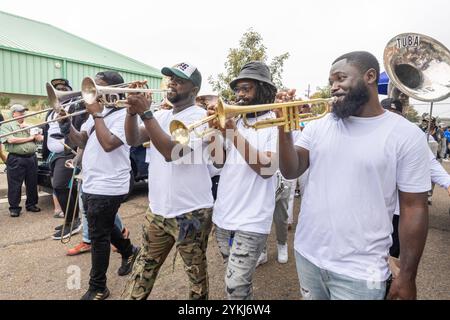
(419, 66)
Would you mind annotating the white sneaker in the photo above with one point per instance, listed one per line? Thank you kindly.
(262, 259)
(282, 253)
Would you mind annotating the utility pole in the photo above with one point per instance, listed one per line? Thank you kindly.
(308, 91)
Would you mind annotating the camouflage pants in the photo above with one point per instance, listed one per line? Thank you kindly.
(189, 232)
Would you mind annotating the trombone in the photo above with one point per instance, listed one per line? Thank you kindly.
(25, 116)
(91, 92)
(41, 124)
(55, 97)
(290, 119)
(76, 178)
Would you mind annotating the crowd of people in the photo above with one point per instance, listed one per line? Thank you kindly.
(364, 173)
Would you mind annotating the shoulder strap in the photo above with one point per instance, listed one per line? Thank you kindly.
(111, 112)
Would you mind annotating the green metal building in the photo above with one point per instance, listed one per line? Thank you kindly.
(32, 53)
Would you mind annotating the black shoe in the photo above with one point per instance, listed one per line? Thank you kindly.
(33, 209)
(58, 234)
(75, 225)
(127, 263)
(96, 294)
(14, 213)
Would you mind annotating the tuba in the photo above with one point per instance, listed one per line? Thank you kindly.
(418, 66)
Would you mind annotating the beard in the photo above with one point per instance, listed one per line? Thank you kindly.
(352, 102)
(178, 97)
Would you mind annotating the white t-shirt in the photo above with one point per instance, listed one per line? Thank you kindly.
(54, 145)
(106, 173)
(181, 186)
(438, 176)
(356, 166)
(245, 200)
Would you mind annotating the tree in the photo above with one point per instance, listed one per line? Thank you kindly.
(411, 114)
(251, 48)
(38, 104)
(322, 93)
(4, 101)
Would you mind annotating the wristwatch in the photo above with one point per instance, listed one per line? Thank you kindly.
(97, 115)
(147, 115)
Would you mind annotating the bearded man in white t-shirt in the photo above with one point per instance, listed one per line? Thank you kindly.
(106, 179)
(243, 211)
(179, 186)
(358, 157)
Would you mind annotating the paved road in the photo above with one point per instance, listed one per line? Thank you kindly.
(33, 266)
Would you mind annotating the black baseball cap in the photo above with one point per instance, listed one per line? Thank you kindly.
(61, 82)
(394, 104)
(110, 77)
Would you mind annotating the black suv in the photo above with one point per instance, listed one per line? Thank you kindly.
(139, 168)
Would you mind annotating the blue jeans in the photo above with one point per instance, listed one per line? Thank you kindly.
(86, 238)
(321, 284)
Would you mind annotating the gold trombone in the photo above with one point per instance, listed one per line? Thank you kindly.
(290, 119)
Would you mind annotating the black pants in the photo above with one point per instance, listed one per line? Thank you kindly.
(101, 212)
(21, 169)
(61, 181)
(394, 251)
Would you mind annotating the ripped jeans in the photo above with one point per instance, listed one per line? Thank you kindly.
(240, 250)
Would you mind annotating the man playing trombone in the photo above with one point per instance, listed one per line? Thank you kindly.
(57, 156)
(179, 187)
(106, 178)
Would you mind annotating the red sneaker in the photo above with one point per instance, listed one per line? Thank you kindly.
(79, 248)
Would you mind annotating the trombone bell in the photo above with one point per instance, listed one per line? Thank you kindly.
(56, 97)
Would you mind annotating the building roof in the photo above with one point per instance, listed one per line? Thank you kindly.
(31, 36)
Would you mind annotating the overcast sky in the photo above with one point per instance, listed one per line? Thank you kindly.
(162, 33)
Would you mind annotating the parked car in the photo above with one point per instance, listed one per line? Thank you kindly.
(139, 168)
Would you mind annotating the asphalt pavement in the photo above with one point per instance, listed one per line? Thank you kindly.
(33, 266)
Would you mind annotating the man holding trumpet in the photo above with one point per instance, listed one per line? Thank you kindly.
(359, 158)
(180, 199)
(243, 211)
